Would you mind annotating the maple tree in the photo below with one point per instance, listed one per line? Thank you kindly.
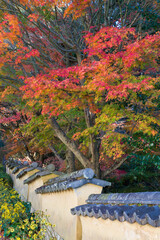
(71, 84)
(119, 85)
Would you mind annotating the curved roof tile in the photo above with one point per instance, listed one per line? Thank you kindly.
(140, 214)
(72, 180)
(125, 198)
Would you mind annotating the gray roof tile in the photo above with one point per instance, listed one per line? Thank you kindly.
(126, 198)
(39, 174)
(72, 180)
(12, 165)
(26, 170)
(15, 163)
(140, 214)
(16, 169)
(87, 173)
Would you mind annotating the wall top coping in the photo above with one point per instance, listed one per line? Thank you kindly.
(72, 180)
(16, 169)
(15, 163)
(39, 174)
(125, 198)
(26, 170)
(10, 161)
(87, 173)
(140, 214)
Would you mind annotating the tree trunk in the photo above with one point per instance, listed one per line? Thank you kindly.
(113, 167)
(94, 144)
(70, 158)
(70, 144)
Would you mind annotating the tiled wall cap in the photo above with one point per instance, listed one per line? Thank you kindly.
(142, 215)
(12, 165)
(81, 182)
(39, 174)
(50, 167)
(125, 198)
(34, 164)
(16, 169)
(25, 163)
(56, 187)
(69, 183)
(8, 164)
(32, 177)
(25, 170)
(88, 173)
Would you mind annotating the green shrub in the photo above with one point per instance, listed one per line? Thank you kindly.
(5, 177)
(15, 218)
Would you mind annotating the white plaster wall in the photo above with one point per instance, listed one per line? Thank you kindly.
(58, 206)
(7, 170)
(14, 179)
(23, 188)
(13, 176)
(36, 199)
(100, 229)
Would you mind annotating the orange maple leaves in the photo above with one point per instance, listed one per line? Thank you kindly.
(75, 7)
(113, 74)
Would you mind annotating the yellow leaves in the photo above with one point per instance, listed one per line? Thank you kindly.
(112, 147)
(8, 90)
(103, 118)
(144, 123)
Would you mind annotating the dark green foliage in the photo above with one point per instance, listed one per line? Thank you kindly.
(5, 176)
(135, 182)
(143, 174)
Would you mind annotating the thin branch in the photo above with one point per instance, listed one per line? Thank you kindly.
(55, 153)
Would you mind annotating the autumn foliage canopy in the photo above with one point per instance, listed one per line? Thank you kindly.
(85, 92)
